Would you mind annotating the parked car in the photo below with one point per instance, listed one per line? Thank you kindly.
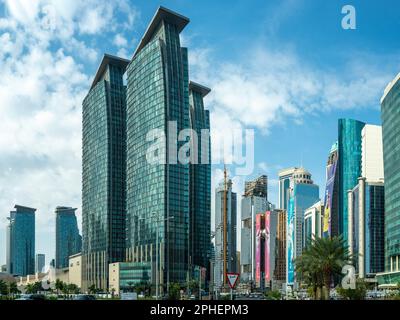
(84, 297)
(32, 297)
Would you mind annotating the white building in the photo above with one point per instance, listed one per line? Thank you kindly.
(372, 153)
(313, 222)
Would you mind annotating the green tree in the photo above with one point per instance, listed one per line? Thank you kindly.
(92, 289)
(273, 295)
(193, 286)
(358, 293)
(13, 288)
(3, 288)
(174, 291)
(321, 262)
(59, 285)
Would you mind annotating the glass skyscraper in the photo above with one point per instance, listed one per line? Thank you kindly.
(390, 113)
(104, 172)
(200, 181)
(349, 147)
(68, 239)
(367, 212)
(158, 204)
(21, 241)
(40, 262)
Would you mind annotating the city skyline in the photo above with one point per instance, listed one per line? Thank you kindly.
(65, 167)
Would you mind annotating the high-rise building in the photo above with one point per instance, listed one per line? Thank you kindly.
(330, 227)
(68, 239)
(21, 241)
(224, 192)
(285, 177)
(280, 247)
(40, 262)
(160, 104)
(390, 106)
(367, 226)
(303, 194)
(200, 181)
(313, 222)
(104, 172)
(254, 201)
(257, 187)
(266, 228)
(349, 147)
(372, 153)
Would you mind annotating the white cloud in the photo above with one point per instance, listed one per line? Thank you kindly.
(120, 40)
(42, 85)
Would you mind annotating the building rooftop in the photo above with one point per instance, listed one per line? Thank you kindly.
(390, 86)
(108, 59)
(161, 14)
(199, 88)
(23, 208)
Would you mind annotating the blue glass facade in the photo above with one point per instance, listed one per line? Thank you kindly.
(349, 147)
(104, 172)
(390, 114)
(200, 181)
(158, 92)
(21, 241)
(68, 239)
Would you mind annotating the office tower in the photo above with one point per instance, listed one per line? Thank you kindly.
(367, 226)
(68, 239)
(158, 184)
(390, 106)
(21, 241)
(266, 228)
(330, 227)
(285, 177)
(303, 194)
(254, 201)
(200, 182)
(313, 222)
(103, 172)
(40, 263)
(257, 187)
(230, 206)
(372, 153)
(280, 247)
(349, 147)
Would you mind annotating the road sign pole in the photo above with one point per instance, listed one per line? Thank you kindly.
(231, 294)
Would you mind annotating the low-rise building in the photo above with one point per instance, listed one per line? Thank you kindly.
(75, 270)
(123, 276)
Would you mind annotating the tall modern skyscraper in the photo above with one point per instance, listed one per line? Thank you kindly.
(40, 262)
(285, 177)
(230, 205)
(330, 224)
(254, 201)
(104, 172)
(367, 226)
(303, 194)
(160, 104)
(390, 107)
(280, 247)
(200, 181)
(349, 146)
(21, 241)
(372, 153)
(68, 239)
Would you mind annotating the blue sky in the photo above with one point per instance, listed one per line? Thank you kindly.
(284, 68)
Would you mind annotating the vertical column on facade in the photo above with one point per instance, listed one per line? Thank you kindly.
(361, 228)
(350, 220)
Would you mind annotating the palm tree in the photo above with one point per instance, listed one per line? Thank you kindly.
(321, 261)
(59, 285)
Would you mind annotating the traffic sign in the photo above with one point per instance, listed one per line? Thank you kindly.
(232, 279)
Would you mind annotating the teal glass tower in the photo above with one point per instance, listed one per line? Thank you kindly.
(349, 154)
(200, 181)
(21, 241)
(390, 114)
(158, 194)
(104, 172)
(68, 239)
